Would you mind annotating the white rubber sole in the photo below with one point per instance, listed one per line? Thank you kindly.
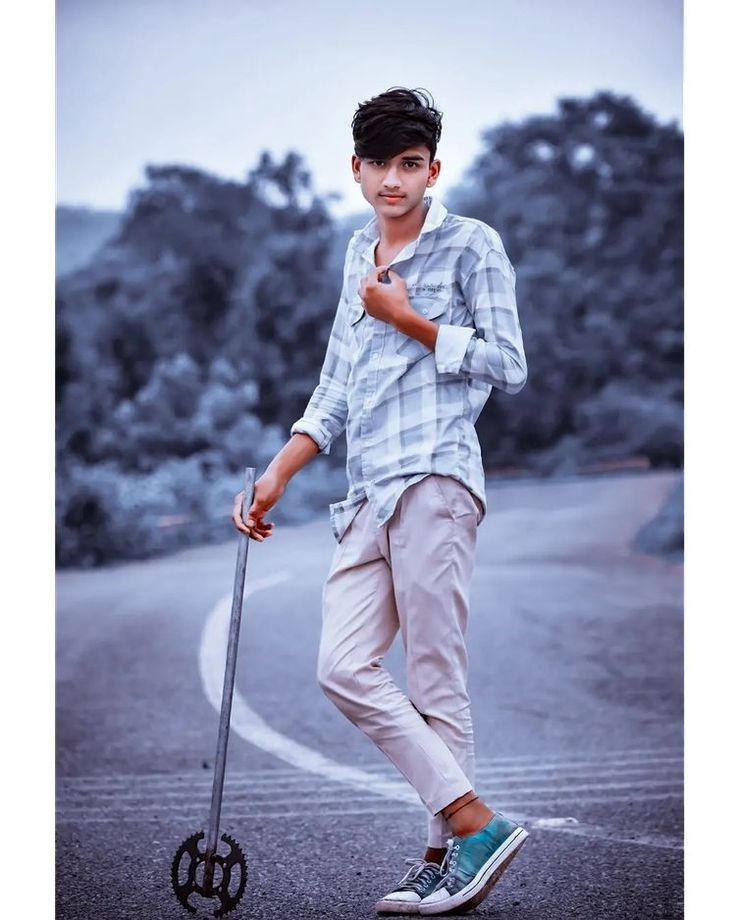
(486, 878)
(389, 906)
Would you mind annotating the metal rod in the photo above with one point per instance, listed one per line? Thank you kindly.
(228, 685)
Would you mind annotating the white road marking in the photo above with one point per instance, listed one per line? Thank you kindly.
(259, 795)
(252, 728)
(609, 763)
(556, 822)
(315, 801)
(298, 780)
(541, 761)
(371, 782)
(286, 792)
(517, 811)
(658, 841)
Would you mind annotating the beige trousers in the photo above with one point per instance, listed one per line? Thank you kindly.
(413, 575)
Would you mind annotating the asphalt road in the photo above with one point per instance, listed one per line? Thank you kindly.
(576, 680)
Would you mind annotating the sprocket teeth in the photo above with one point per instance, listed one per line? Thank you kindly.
(233, 844)
(182, 892)
(236, 857)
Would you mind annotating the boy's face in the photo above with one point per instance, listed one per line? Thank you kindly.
(407, 175)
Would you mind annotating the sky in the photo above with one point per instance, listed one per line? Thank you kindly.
(214, 84)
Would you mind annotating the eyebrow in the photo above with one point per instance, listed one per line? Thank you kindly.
(413, 156)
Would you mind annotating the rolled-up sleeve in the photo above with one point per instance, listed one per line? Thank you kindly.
(492, 350)
(326, 413)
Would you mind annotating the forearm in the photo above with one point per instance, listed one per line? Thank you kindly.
(296, 453)
(416, 326)
(460, 351)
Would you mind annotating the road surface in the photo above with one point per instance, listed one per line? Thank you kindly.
(575, 647)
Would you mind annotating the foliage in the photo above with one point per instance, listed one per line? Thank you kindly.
(589, 203)
(194, 337)
(187, 346)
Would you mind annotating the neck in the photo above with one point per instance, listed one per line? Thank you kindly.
(397, 231)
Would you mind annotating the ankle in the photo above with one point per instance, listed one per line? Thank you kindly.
(435, 854)
(470, 820)
(467, 815)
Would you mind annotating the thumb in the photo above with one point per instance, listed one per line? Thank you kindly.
(255, 511)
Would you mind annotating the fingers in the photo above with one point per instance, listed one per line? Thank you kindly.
(374, 277)
(237, 502)
(261, 529)
(253, 525)
(257, 528)
(369, 280)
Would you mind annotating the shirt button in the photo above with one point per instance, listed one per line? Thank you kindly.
(425, 310)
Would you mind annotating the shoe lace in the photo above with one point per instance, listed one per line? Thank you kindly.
(449, 863)
(418, 876)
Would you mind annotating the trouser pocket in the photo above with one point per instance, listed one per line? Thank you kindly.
(456, 498)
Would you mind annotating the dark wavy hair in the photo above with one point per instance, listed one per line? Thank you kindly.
(392, 121)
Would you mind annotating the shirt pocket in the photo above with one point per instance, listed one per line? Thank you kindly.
(435, 307)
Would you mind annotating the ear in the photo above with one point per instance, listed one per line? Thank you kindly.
(355, 166)
(434, 170)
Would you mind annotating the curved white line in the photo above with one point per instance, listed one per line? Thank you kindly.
(252, 728)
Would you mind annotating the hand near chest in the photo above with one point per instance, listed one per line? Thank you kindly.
(387, 302)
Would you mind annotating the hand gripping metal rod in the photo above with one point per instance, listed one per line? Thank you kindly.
(228, 684)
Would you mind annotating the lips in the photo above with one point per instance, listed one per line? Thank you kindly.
(393, 197)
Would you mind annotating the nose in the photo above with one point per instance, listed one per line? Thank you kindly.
(391, 179)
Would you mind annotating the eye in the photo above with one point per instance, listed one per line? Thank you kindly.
(375, 162)
(411, 163)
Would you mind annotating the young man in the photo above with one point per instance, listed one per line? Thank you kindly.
(425, 327)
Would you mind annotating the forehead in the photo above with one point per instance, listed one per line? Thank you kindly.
(413, 153)
(420, 151)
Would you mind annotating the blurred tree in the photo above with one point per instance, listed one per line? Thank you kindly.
(208, 268)
(194, 338)
(173, 341)
(589, 203)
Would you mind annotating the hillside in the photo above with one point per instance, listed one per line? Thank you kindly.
(80, 232)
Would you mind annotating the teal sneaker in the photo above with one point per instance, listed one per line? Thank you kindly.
(473, 865)
(419, 881)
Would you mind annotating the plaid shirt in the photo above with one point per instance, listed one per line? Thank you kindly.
(410, 411)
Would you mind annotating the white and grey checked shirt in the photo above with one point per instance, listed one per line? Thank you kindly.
(409, 411)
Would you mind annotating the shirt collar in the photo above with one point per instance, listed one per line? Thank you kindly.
(434, 217)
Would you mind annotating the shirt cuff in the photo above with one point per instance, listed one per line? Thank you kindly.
(316, 432)
(450, 347)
